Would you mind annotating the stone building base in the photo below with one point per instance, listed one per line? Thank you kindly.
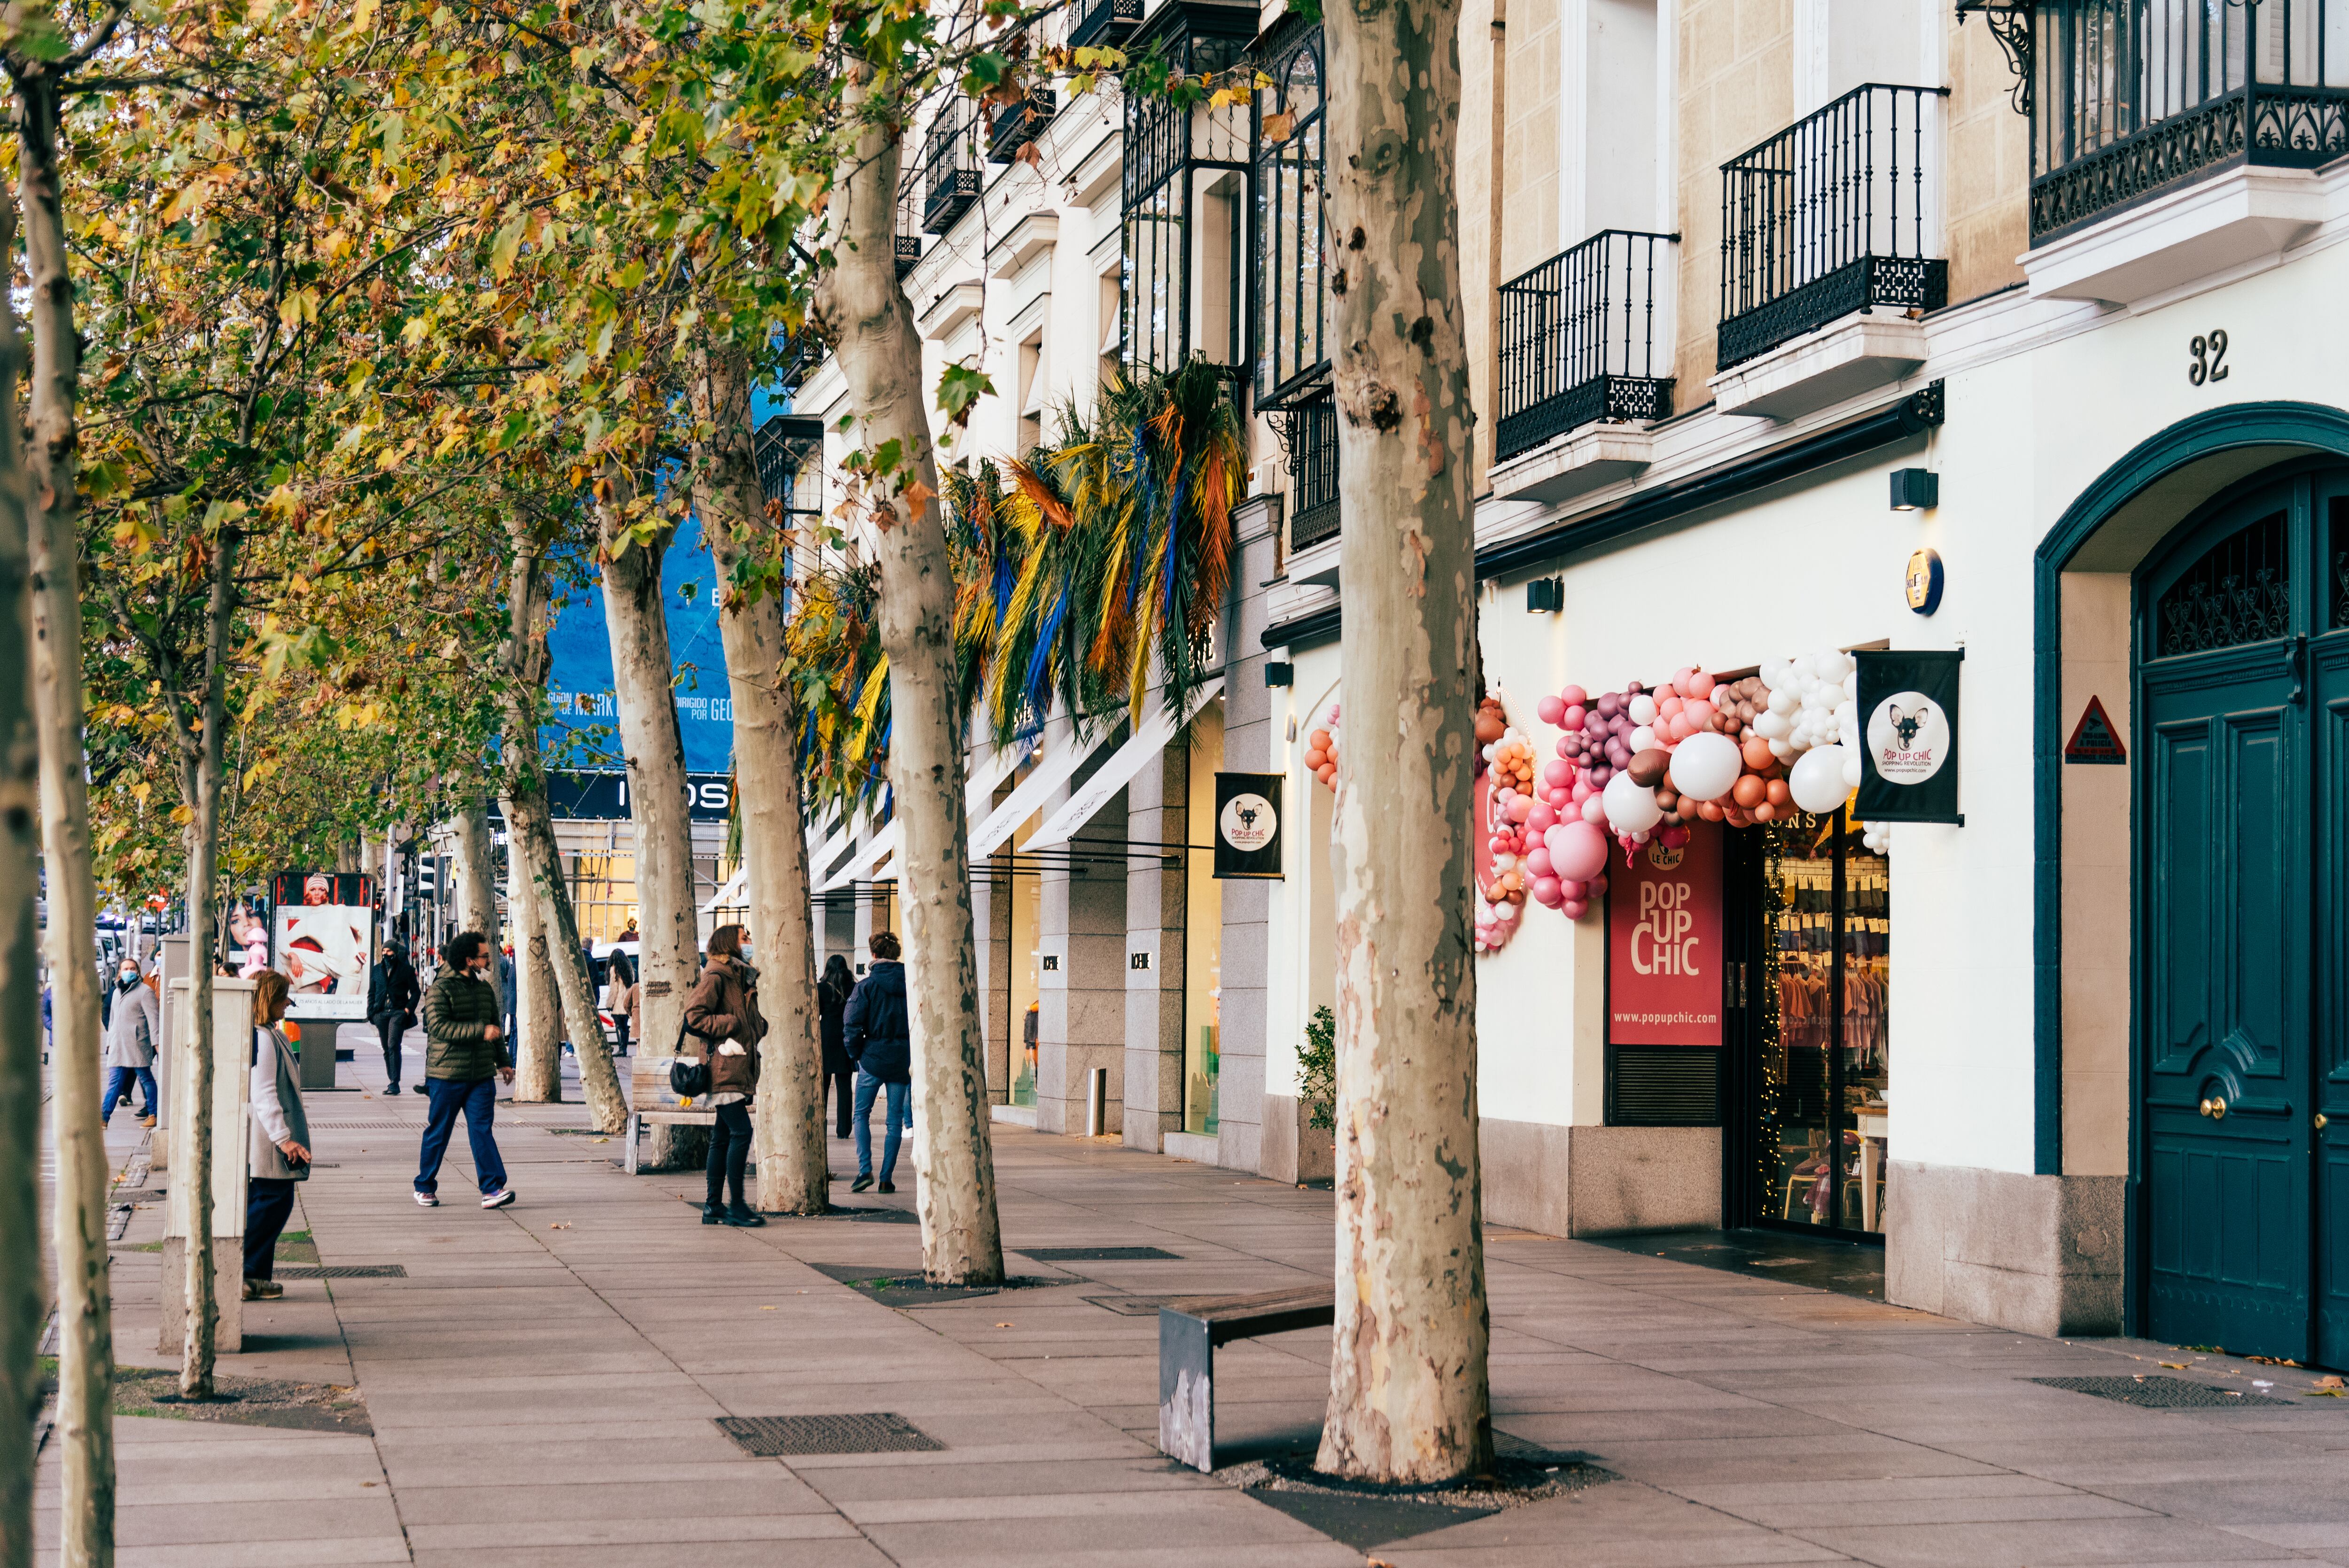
(1601, 1181)
(2039, 1254)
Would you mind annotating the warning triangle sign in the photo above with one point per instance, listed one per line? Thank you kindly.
(2096, 739)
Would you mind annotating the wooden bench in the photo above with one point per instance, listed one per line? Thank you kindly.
(1189, 1329)
(664, 1115)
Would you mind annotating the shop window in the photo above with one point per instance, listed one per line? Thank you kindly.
(2240, 591)
(1178, 203)
(1819, 1021)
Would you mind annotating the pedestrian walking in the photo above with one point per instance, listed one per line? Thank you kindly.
(628, 1001)
(277, 1153)
(875, 1031)
(506, 987)
(392, 993)
(132, 1029)
(464, 1058)
(723, 1027)
(839, 1066)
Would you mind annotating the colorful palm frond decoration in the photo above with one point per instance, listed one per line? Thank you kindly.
(1127, 524)
(983, 556)
(831, 652)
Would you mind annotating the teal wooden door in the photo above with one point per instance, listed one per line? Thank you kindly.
(2227, 781)
(2329, 1125)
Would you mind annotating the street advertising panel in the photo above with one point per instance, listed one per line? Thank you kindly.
(1664, 943)
(324, 933)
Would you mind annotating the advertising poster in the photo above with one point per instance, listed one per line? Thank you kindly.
(1248, 825)
(325, 934)
(1909, 709)
(1664, 944)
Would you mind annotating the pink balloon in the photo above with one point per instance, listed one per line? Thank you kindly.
(1518, 806)
(1571, 887)
(1582, 854)
(1574, 909)
(1540, 818)
(1669, 704)
(1572, 696)
(1597, 886)
(1550, 709)
(1581, 791)
(1700, 684)
(1557, 775)
(1699, 712)
(1538, 862)
(1575, 718)
(1545, 890)
(1674, 837)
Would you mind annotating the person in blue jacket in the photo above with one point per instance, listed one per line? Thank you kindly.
(875, 1031)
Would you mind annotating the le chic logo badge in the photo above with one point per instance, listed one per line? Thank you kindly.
(1249, 822)
(1909, 735)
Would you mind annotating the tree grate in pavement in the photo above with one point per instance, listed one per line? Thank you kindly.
(347, 1271)
(780, 1437)
(1093, 1254)
(2159, 1393)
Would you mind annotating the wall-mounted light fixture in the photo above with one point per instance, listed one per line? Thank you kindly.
(1916, 490)
(1544, 596)
(1279, 672)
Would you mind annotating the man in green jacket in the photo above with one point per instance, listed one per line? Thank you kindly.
(464, 1057)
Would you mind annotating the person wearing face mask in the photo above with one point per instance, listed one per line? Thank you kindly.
(131, 1030)
(723, 1027)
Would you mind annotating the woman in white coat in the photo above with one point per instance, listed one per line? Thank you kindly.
(131, 1036)
(279, 1154)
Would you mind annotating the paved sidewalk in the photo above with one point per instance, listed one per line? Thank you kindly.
(542, 1385)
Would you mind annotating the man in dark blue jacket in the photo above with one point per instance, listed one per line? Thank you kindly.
(875, 1031)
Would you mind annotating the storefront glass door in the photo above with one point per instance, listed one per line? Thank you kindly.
(1818, 1027)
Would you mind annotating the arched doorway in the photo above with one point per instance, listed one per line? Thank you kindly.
(2241, 721)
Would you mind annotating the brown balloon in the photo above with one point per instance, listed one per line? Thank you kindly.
(1648, 768)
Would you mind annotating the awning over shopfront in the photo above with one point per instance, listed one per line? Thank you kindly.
(1157, 729)
(1056, 769)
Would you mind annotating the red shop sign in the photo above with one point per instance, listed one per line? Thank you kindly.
(1663, 943)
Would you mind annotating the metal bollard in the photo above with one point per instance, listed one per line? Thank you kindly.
(1096, 1101)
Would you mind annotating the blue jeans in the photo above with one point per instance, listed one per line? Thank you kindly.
(479, 1101)
(118, 1088)
(898, 1114)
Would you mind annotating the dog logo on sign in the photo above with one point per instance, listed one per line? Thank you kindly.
(1909, 738)
(1249, 822)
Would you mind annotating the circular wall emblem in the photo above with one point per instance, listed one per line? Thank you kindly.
(1663, 858)
(1924, 582)
(1249, 822)
(1907, 738)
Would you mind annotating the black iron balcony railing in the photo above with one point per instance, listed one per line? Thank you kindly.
(1582, 340)
(909, 253)
(1014, 124)
(1312, 471)
(802, 356)
(1829, 217)
(950, 173)
(2130, 96)
(784, 447)
(1102, 23)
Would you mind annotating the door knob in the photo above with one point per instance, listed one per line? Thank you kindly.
(2319, 1121)
(2216, 1109)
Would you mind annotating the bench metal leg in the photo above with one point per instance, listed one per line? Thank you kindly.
(629, 1146)
(1186, 1390)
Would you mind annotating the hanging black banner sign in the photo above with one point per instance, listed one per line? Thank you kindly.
(1248, 825)
(1909, 737)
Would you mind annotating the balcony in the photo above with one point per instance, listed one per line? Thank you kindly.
(1312, 438)
(1014, 124)
(803, 357)
(909, 253)
(1582, 342)
(783, 447)
(1103, 23)
(949, 174)
(1829, 219)
(2172, 140)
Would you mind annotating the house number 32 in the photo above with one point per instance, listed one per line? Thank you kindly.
(2210, 359)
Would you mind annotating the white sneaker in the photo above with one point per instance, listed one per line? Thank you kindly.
(426, 1201)
(498, 1199)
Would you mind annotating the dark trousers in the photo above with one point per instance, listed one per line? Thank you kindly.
(392, 1029)
(479, 1101)
(268, 1204)
(841, 1084)
(118, 1088)
(620, 1022)
(729, 1147)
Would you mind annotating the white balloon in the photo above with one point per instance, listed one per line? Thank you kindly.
(1505, 911)
(1642, 709)
(1594, 810)
(1782, 751)
(1773, 725)
(1774, 673)
(1816, 778)
(1505, 863)
(1846, 714)
(1783, 700)
(1629, 807)
(1805, 668)
(1851, 770)
(1642, 739)
(1706, 765)
(1851, 686)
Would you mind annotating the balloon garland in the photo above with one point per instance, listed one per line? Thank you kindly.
(1321, 750)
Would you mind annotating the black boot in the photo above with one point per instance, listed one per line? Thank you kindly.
(741, 1213)
(713, 1212)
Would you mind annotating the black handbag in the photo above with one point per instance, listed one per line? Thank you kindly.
(687, 1079)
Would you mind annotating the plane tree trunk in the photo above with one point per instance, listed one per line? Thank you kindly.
(787, 1116)
(864, 309)
(1409, 1399)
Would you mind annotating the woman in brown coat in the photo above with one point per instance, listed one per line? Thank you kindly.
(723, 1028)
